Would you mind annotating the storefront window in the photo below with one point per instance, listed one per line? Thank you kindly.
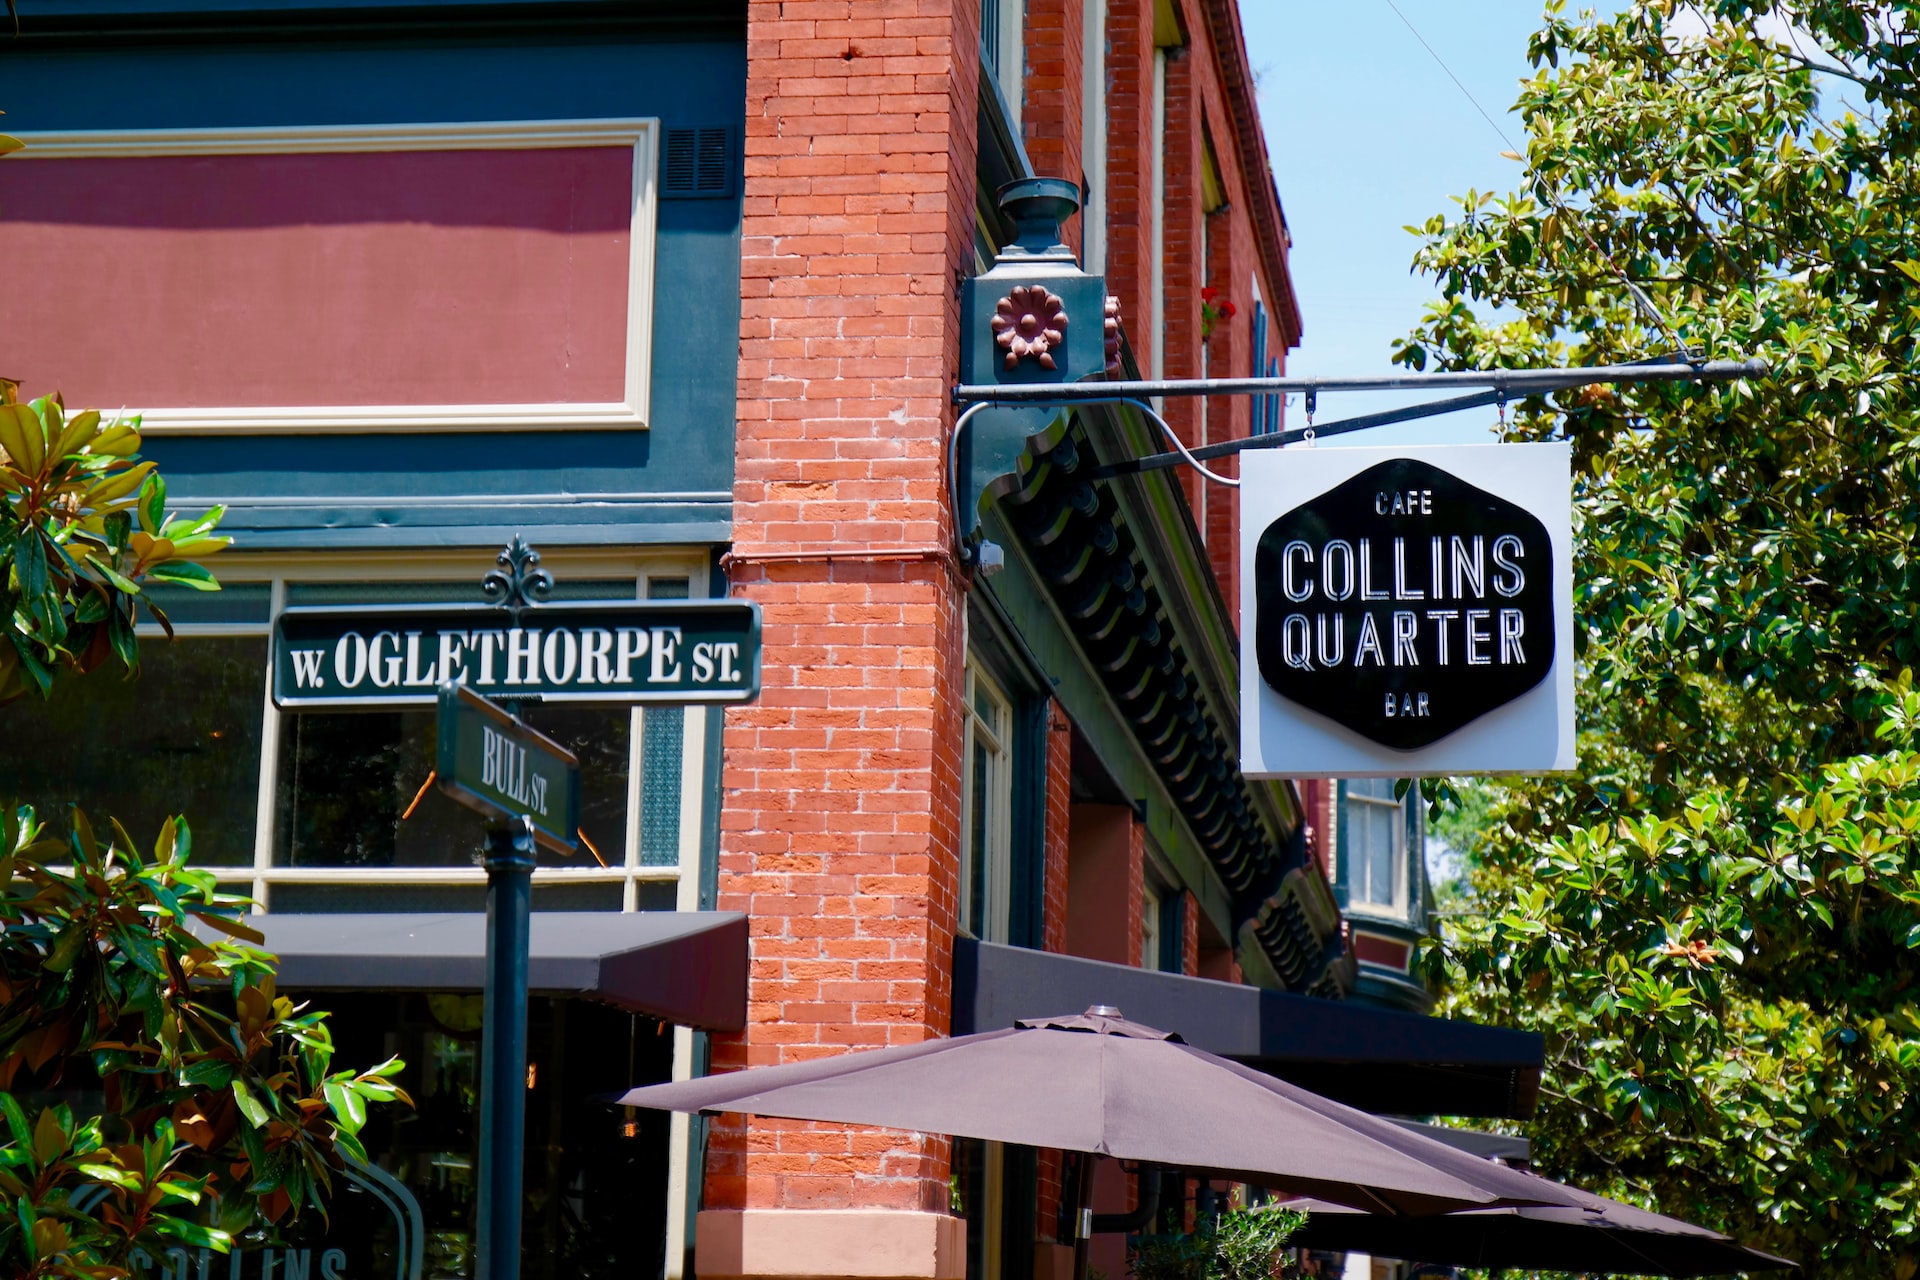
(595, 1176)
(316, 811)
(183, 738)
(351, 790)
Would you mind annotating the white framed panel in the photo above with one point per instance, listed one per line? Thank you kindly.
(1532, 733)
(640, 135)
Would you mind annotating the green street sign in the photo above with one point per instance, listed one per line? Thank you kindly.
(612, 652)
(489, 761)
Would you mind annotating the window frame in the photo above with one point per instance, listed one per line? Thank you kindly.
(1354, 853)
(997, 735)
(278, 570)
(1152, 947)
(640, 135)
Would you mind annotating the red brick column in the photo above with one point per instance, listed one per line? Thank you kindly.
(840, 807)
(1053, 934)
(1230, 355)
(1182, 272)
(1053, 1258)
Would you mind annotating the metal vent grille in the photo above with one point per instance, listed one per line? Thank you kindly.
(699, 163)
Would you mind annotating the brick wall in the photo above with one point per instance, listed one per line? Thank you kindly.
(1059, 748)
(839, 832)
(1059, 810)
(1183, 273)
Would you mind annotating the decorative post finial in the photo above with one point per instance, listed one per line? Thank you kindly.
(519, 583)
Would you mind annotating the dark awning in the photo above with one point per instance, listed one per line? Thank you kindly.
(1375, 1059)
(687, 967)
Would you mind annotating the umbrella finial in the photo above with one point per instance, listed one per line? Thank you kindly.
(1103, 1011)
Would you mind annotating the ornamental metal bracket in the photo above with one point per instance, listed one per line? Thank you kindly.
(1034, 321)
(519, 583)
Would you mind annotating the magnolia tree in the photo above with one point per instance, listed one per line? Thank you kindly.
(126, 979)
(1716, 920)
(83, 523)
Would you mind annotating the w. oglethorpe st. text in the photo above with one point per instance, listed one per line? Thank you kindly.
(589, 656)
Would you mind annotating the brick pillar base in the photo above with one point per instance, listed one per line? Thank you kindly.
(821, 1244)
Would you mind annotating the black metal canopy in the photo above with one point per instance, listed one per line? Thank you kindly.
(687, 967)
(1374, 1059)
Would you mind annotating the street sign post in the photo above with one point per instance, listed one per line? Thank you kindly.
(530, 784)
(520, 649)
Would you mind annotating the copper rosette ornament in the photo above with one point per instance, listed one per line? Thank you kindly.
(1030, 321)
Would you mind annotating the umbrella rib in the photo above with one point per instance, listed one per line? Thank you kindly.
(1388, 1206)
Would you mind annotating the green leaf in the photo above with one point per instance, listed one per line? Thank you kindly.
(49, 1136)
(66, 948)
(184, 573)
(152, 507)
(249, 1105)
(16, 1119)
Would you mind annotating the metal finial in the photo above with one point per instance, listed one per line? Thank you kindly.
(519, 582)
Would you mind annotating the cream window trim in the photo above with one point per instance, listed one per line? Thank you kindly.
(1396, 813)
(993, 731)
(1093, 134)
(439, 875)
(642, 136)
(1010, 58)
(279, 570)
(1150, 903)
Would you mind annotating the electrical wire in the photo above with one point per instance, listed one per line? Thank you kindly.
(1638, 294)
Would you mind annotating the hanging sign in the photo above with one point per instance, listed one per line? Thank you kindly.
(1406, 611)
(490, 762)
(613, 652)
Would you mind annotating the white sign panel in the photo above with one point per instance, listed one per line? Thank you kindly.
(1406, 611)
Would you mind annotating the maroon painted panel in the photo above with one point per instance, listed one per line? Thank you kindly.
(420, 277)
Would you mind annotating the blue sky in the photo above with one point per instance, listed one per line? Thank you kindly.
(1367, 135)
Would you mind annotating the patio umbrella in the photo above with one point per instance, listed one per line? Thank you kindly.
(1098, 1083)
(1598, 1235)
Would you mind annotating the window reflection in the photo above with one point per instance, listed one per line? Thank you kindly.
(347, 781)
(182, 738)
(595, 1179)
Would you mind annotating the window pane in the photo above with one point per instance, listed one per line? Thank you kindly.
(347, 777)
(662, 733)
(182, 738)
(378, 899)
(463, 591)
(595, 1178)
(234, 602)
(1380, 823)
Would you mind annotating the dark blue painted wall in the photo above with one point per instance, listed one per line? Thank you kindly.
(668, 484)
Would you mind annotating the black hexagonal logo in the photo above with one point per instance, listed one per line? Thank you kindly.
(1404, 603)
